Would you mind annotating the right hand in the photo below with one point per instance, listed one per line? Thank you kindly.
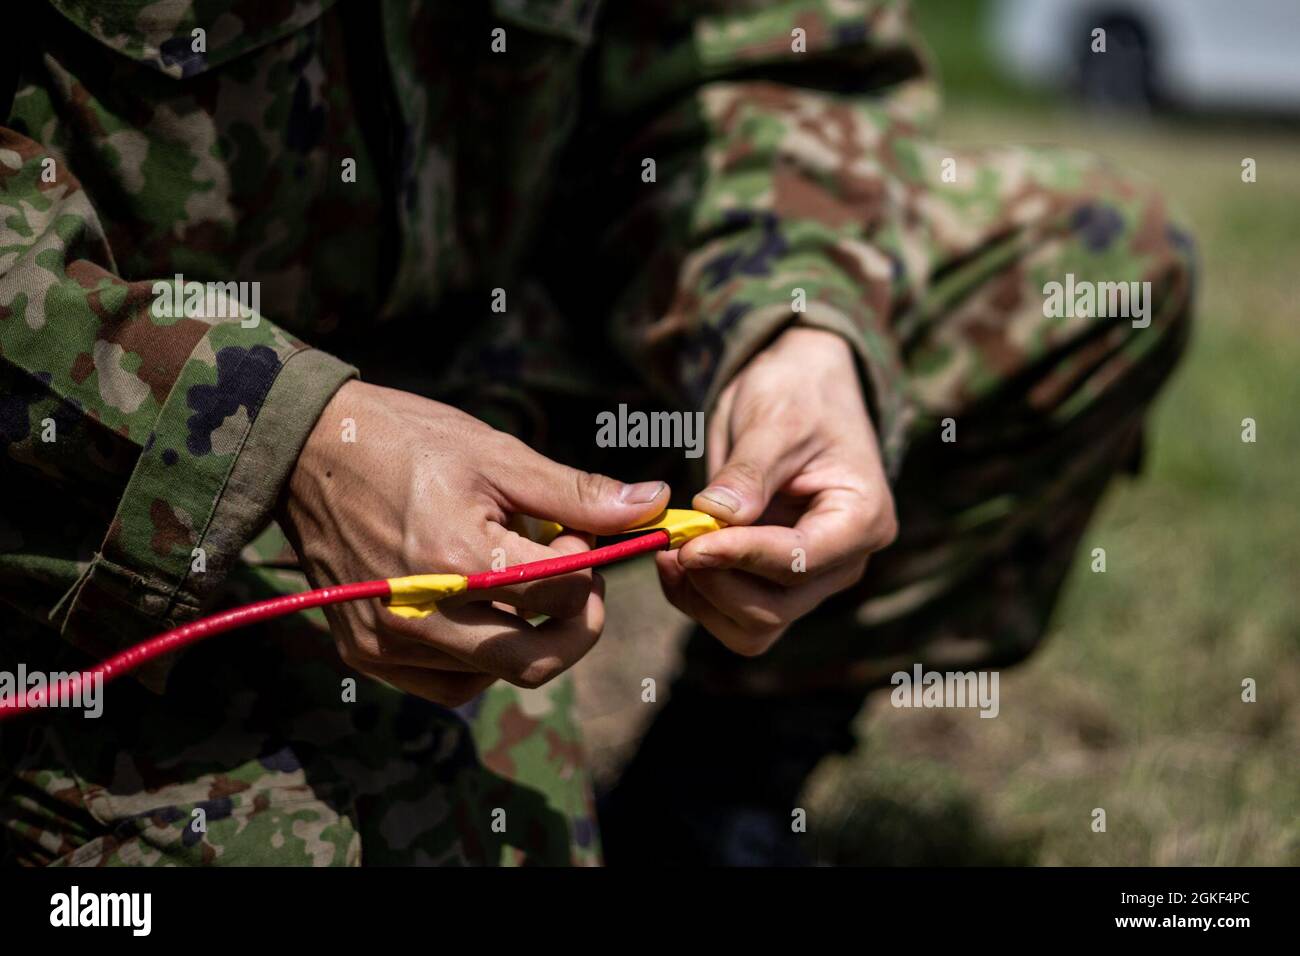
(426, 488)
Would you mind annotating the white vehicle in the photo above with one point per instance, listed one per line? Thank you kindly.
(1235, 54)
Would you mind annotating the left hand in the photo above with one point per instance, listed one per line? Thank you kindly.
(796, 469)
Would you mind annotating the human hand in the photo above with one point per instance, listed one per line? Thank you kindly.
(798, 478)
(427, 488)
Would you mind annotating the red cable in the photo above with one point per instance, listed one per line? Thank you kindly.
(179, 637)
(549, 567)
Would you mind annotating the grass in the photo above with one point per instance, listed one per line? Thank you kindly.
(957, 35)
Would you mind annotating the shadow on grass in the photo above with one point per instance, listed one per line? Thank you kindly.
(912, 814)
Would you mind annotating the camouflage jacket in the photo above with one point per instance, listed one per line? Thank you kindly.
(375, 164)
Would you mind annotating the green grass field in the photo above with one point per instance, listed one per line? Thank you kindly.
(1134, 705)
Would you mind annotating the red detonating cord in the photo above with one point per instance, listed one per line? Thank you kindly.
(550, 567)
(195, 631)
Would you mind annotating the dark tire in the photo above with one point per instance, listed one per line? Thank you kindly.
(1122, 78)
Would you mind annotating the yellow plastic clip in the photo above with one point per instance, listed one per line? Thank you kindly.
(418, 595)
(682, 525)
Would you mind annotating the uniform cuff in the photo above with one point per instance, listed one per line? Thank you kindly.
(879, 367)
(205, 484)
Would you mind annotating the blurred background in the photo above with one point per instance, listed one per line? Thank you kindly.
(1134, 703)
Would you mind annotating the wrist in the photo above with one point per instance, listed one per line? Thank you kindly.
(816, 345)
(320, 453)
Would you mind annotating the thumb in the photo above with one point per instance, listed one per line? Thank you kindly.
(759, 464)
(580, 500)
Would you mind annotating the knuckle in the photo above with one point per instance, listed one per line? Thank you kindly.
(785, 413)
(745, 473)
(456, 551)
(570, 596)
(538, 672)
(589, 488)
(882, 525)
(854, 574)
(888, 530)
(505, 445)
(352, 655)
(843, 578)
(753, 643)
(567, 606)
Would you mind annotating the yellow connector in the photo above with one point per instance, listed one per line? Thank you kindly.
(682, 524)
(417, 595)
(534, 529)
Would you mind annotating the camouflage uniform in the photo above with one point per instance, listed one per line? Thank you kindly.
(231, 158)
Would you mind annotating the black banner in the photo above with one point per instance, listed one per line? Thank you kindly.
(440, 906)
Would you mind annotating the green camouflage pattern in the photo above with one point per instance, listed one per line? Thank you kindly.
(1046, 412)
(379, 168)
(283, 771)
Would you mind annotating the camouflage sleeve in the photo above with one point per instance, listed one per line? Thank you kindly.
(178, 430)
(771, 130)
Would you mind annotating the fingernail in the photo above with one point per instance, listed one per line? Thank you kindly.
(723, 498)
(701, 559)
(642, 493)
